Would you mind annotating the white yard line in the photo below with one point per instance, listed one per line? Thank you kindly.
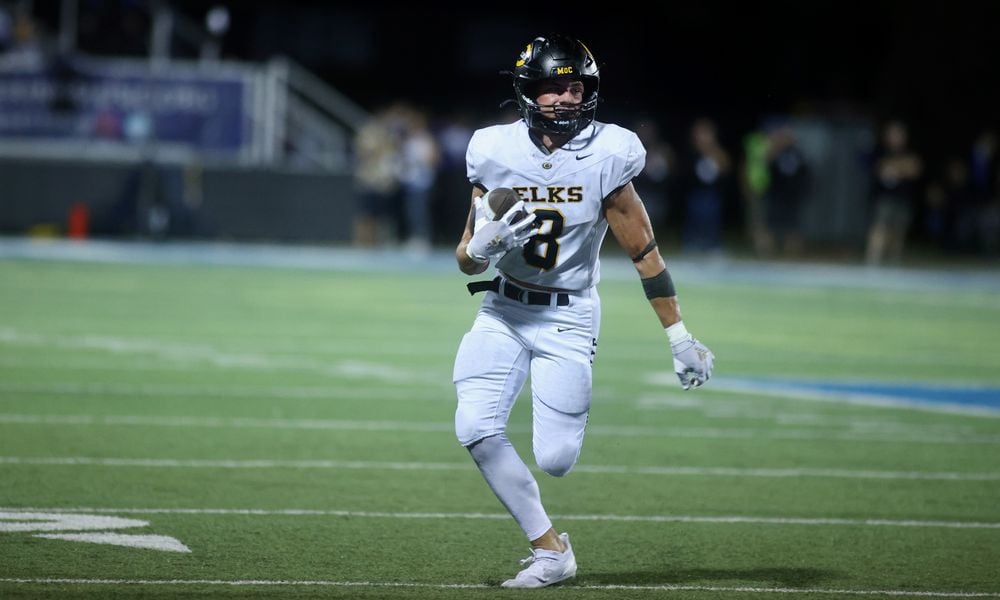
(87, 363)
(794, 472)
(444, 393)
(917, 437)
(203, 392)
(208, 356)
(466, 586)
(789, 472)
(856, 427)
(707, 519)
(234, 422)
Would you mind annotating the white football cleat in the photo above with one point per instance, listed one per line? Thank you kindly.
(545, 567)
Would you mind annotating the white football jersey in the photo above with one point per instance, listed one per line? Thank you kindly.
(565, 189)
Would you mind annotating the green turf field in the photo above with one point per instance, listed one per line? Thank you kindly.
(292, 429)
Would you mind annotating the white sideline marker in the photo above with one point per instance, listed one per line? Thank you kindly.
(150, 542)
(19, 521)
(465, 586)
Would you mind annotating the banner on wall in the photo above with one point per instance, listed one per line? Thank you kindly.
(209, 113)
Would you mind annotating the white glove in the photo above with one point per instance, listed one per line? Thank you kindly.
(497, 237)
(693, 361)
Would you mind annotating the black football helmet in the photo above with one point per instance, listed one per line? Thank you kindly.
(556, 57)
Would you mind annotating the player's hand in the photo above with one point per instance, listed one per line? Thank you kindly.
(693, 361)
(500, 236)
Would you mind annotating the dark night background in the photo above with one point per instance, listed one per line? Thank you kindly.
(934, 66)
(851, 66)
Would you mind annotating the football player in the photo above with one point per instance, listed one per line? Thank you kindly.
(541, 314)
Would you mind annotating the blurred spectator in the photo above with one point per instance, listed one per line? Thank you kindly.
(451, 204)
(709, 165)
(989, 229)
(375, 149)
(985, 180)
(182, 197)
(950, 209)
(983, 166)
(936, 214)
(652, 184)
(418, 162)
(65, 75)
(159, 201)
(897, 170)
(754, 179)
(787, 176)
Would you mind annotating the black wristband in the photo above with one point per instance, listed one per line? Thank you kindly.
(659, 286)
(649, 248)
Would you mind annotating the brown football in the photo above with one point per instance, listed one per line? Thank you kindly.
(501, 199)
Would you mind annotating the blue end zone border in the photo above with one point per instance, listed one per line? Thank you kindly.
(968, 399)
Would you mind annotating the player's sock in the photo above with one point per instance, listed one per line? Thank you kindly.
(512, 482)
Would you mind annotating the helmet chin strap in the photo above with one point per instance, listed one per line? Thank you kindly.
(558, 126)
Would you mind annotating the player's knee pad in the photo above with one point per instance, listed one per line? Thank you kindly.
(471, 426)
(557, 459)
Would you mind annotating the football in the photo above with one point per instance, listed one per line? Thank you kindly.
(500, 201)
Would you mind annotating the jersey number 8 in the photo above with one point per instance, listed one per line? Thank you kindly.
(542, 249)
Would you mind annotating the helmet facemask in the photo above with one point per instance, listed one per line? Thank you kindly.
(567, 118)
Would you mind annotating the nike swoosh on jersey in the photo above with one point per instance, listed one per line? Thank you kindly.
(578, 157)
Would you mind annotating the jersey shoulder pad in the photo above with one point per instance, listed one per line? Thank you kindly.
(485, 141)
(626, 151)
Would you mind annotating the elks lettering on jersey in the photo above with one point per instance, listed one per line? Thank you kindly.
(552, 193)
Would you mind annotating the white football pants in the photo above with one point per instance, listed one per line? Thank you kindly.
(508, 341)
